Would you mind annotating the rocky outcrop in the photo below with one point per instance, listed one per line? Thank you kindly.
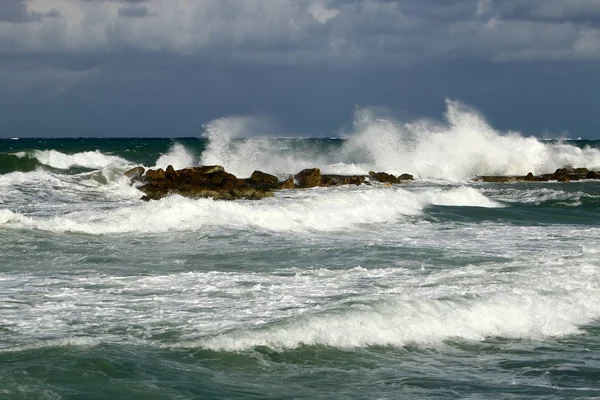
(560, 175)
(308, 178)
(336, 180)
(135, 174)
(262, 178)
(214, 182)
(383, 177)
(207, 181)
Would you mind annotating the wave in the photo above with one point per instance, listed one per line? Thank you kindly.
(462, 146)
(13, 163)
(319, 210)
(424, 322)
(58, 160)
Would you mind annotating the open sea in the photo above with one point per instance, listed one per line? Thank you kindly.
(439, 288)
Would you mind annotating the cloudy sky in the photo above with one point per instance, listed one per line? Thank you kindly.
(166, 67)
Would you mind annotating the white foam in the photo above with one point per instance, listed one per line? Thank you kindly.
(422, 322)
(459, 148)
(53, 343)
(321, 210)
(534, 195)
(177, 156)
(86, 159)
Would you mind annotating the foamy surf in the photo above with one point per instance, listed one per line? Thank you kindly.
(510, 315)
(317, 210)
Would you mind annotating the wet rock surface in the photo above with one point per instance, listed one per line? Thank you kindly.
(213, 181)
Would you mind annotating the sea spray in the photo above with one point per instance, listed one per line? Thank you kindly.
(178, 156)
(459, 148)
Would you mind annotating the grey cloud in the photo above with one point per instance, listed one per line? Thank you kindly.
(16, 11)
(332, 33)
(135, 12)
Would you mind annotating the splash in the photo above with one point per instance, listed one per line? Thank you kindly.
(177, 156)
(458, 148)
(462, 146)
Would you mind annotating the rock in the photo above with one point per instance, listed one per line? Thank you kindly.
(495, 179)
(532, 178)
(170, 173)
(561, 175)
(199, 182)
(268, 180)
(209, 169)
(287, 184)
(405, 177)
(309, 177)
(135, 173)
(155, 174)
(383, 177)
(335, 180)
(593, 175)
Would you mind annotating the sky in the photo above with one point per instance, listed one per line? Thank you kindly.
(165, 68)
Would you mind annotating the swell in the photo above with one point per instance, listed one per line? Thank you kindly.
(13, 163)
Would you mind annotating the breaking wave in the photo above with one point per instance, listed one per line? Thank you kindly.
(462, 146)
(320, 210)
(422, 322)
(86, 159)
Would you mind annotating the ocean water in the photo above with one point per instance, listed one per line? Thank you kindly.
(437, 288)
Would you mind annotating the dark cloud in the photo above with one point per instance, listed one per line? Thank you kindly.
(306, 61)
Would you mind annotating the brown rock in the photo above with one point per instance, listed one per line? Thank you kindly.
(170, 173)
(209, 169)
(287, 184)
(495, 179)
(309, 177)
(405, 177)
(335, 180)
(383, 177)
(260, 177)
(593, 175)
(135, 173)
(155, 174)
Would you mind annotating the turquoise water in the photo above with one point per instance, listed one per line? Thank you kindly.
(439, 288)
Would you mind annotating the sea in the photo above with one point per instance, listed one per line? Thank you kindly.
(439, 288)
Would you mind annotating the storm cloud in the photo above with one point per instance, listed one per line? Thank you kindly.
(222, 53)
